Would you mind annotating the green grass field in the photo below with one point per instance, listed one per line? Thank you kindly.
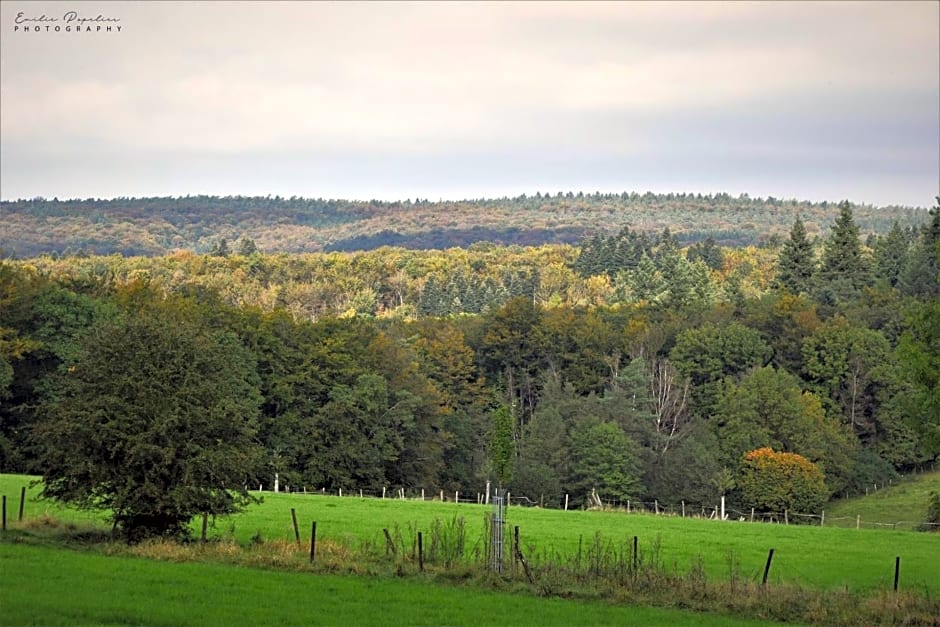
(53, 586)
(901, 506)
(824, 558)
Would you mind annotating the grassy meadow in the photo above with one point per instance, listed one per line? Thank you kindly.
(818, 557)
(902, 505)
(52, 586)
(822, 558)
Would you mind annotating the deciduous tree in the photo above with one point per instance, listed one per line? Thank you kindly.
(775, 482)
(605, 460)
(768, 409)
(154, 422)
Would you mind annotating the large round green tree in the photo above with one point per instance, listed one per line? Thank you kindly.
(604, 460)
(154, 422)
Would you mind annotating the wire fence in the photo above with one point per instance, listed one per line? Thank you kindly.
(715, 511)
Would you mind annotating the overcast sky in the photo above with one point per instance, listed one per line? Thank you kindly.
(818, 101)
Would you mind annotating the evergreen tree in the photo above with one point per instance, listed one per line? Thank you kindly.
(709, 252)
(844, 270)
(667, 242)
(588, 262)
(921, 275)
(220, 249)
(677, 275)
(796, 265)
(246, 247)
(646, 283)
(431, 298)
(891, 255)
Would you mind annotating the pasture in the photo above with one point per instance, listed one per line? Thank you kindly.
(51, 586)
(827, 558)
(856, 560)
(901, 506)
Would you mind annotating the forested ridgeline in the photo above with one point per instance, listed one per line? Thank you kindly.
(157, 226)
(631, 367)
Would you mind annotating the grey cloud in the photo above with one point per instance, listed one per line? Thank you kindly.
(379, 99)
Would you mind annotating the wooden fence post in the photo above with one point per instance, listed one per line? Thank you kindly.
(420, 552)
(822, 519)
(313, 540)
(636, 556)
(770, 557)
(293, 516)
(4, 527)
(520, 557)
(858, 521)
(389, 545)
(683, 509)
(897, 571)
(22, 502)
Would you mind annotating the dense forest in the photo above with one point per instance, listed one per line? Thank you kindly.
(158, 226)
(633, 365)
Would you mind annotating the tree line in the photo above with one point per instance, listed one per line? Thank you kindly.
(664, 382)
(163, 225)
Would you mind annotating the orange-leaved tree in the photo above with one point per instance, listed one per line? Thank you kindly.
(772, 481)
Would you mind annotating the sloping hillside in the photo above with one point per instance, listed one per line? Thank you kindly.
(899, 506)
(155, 226)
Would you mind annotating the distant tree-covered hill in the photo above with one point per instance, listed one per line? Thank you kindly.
(155, 226)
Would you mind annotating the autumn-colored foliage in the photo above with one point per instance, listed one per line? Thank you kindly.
(383, 368)
(774, 482)
(156, 226)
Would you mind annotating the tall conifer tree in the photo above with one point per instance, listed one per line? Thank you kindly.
(844, 270)
(921, 275)
(796, 266)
